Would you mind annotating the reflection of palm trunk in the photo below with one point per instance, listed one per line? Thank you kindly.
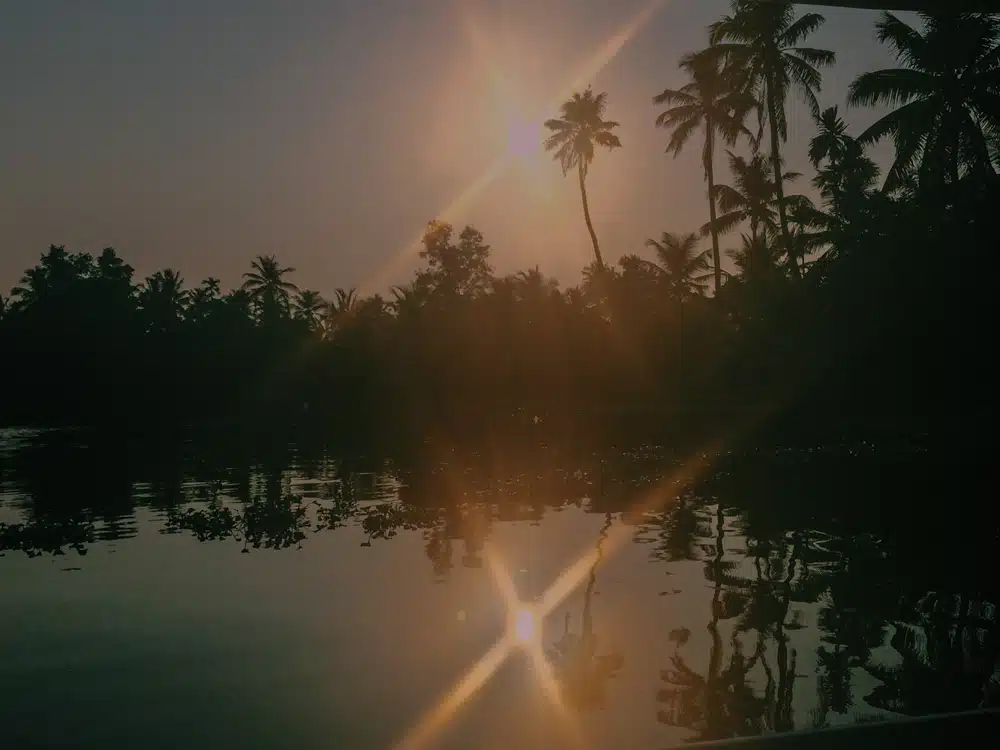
(786, 672)
(587, 637)
(714, 698)
(680, 342)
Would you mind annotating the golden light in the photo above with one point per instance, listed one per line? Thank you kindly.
(524, 626)
(523, 629)
(524, 139)
(518, 140)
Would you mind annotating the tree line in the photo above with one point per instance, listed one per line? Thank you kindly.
(850, 314)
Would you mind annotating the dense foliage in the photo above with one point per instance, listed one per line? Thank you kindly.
(854, 315)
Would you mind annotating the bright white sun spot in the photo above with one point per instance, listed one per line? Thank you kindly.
(524, 139)
(524, 626)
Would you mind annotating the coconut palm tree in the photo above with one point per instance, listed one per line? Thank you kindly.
(309, 306)
(759, 42)
(946, 95)
(407, 300)
(754, 258)
(163, 299)
(343, 306)
(709, 103)
(681, 264)
(751, 198)
(32, 288)
(574, 139)
(847, 172)
(267, 285)
(845, 178)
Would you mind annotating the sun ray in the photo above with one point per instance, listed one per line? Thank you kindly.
(596, 62)
(550, 686)
(454, 699)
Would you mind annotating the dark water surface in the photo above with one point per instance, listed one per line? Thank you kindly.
(202, 595)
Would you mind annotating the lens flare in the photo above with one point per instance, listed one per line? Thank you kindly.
(593, 65)
(524, 626)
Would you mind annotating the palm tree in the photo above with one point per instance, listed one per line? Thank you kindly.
(681, 264)
(309, 306)
(163, 299)
(343, 306)
(947, 95)
(267, 285)
(754, 258)
(532, 285)
(407, 300)
(574, 137)
(202, 299)
(751, 198)
(758, 41)
(708, 102)
(845, 179)
(32, 288)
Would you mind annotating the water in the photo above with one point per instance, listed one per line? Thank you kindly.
(203, 595)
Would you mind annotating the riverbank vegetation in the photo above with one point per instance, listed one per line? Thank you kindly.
(849, 314)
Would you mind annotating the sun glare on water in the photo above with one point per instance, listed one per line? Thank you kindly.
(524, 626)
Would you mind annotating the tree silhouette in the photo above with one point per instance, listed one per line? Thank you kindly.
(759, 42)
(575, 137)
(163, 299)
(309, 306)
(946, 96)
(751, 198)
(455, 270)
(681, 264)
(710, 103)
(268, 288)
(583, 672)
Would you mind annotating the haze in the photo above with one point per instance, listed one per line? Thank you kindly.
(191, 136)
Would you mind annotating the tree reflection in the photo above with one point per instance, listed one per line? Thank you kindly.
(583, 672)
(721, 703)
(47, 536)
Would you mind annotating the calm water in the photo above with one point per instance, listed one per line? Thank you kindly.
(209, 596)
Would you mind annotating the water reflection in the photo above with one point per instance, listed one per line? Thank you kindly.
(780, 608)
(583, 671)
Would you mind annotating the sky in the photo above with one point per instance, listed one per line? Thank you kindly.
(198, 134)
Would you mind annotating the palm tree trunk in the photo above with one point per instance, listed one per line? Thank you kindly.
(710, 174)
(586, 218)
(772, 110)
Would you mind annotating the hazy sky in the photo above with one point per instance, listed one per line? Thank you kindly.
(196, 134)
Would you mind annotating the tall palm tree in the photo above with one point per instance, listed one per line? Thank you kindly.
(947, 95)
(710, 103)
(681, 264)
(759, 44)
(751, 198)
(574, 138)
(845, 178)
(309, 306)
(266, 283)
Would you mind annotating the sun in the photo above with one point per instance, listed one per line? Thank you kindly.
(524, 138)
